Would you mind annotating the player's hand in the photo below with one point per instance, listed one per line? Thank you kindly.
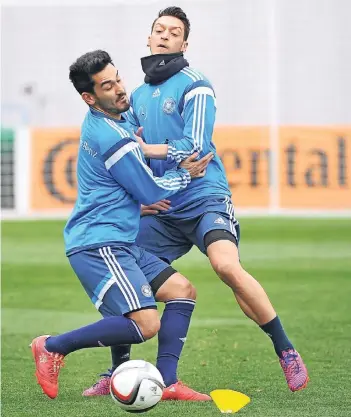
(162, 205)
(196, 169)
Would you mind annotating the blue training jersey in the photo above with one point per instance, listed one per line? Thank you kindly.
(113, 179)
(181, 112)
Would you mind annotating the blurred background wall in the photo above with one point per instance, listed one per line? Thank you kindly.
(279, 67)
(286, 61)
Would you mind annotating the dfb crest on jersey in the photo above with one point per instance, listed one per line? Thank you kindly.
(146, 290)
(142, 114)
(169, 105)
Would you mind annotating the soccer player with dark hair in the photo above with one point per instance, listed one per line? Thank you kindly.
(175, 109)
(119, 277)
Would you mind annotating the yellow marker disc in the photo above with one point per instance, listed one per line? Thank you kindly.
(229, 401)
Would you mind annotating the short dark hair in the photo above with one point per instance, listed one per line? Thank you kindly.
(89, 64)
(179, 14)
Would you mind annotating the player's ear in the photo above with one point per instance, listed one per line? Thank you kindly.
(88, 98)
(148, 41)
(184, 46)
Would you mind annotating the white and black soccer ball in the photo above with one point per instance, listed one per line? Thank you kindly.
(136, 386)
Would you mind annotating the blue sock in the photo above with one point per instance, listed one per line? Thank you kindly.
(275, 331)
(120, 354)
(172, 335)
(107, 332)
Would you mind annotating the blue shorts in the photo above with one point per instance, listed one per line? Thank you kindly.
(170, 236)
(118, 279)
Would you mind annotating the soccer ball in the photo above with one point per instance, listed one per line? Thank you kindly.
(136, 386)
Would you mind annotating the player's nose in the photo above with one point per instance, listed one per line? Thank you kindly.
(119, 89)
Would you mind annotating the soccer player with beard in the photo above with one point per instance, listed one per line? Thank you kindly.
(119, 277)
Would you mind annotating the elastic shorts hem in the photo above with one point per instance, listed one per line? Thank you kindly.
(219, 234)
(161, 278)
(150, 307)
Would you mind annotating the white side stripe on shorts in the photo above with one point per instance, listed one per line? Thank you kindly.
(117, 279)
(232, 219)
(124, 277)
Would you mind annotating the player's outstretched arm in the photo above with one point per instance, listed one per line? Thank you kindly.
(156, 151)
(125, 163)
(199, 114)
(199, 111)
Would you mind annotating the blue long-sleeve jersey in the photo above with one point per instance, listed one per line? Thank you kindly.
(113, 179)
(181, 112)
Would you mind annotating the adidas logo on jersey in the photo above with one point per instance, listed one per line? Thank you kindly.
(156, 93)
(161, 63)
(220, 221)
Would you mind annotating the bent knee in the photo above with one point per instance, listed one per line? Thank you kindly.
(186, 290)
(231, 273)
(177, 286)
(148, 322)
(150, 329)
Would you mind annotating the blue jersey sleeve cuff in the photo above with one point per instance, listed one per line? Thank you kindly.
(185, 175)
(177, 155)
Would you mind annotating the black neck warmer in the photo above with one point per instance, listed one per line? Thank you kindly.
(160, 67)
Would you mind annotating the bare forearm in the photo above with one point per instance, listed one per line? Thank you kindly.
(155, 151)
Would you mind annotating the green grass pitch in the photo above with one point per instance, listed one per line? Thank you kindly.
(305, 266)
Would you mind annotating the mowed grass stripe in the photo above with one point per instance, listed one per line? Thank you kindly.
(305, 265)
(26, 321)
(52, 253)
